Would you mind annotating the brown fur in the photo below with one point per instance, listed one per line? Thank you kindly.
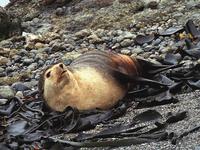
(89, 82)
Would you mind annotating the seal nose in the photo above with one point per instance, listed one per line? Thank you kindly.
(61, 65)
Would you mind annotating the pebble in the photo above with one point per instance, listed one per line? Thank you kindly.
(2, 70)
(28, 61)
(125, 51)
(126, 42)
(83, 33)
(137, 50)
(3, 60)
(60, 11)
(3, 101)
(19, 86)
(94, 39)
(6, 92)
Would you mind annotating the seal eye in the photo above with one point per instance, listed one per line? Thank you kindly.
(48, 74)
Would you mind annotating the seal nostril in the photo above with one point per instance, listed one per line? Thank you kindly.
(61, 66)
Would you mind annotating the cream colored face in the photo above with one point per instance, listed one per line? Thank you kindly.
(55, 78)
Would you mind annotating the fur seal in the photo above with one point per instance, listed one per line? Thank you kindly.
(96, 79)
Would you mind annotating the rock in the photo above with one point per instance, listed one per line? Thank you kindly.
(3, 101)
(94, 39)
(19, 94)
(137, 50)
(9, 25)
(152, 5)
(59, 11)
(3, 60)
(19, 86)
(125, 51)
(6, 92)
(126, 42)
(117, 45)
(5, 43)
(39, 45)
(71, 55)
(33, 66)
(198, 61)
(83, 33)
(2, 70)
(28, 61)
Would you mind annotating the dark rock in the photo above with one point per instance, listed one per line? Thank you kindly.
(19, 86)
(60, 11)
(9, 25)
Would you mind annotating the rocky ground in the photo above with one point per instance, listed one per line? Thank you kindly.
(62, 30)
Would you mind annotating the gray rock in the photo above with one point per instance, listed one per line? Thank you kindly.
(83, 33)
(19, 86)
(3, 101)
(3, 60)
(125, 51)
(126, 42)
(6, 92)
(94, 39)
(2, 70)
(156, 42)
(137, 50)
(28, 61)
(60, 11)
(32, 66)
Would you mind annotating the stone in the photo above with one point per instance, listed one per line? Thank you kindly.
(71, 55)
(10, 25)
(19, 94)
(94, 39)
(137, 50)
(83, 33)
(125, 51)
(39, 45)
(6, 92)
(3, 60)
(28, 61)
(19, 86)
(126, 42)
(3, 101)
(2, 70)
(60, 11)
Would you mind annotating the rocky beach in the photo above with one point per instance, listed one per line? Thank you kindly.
(37, 33)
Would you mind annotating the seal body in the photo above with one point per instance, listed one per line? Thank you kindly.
(93, 80)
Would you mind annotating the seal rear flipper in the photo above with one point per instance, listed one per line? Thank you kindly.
(126, 78)
(150, 69)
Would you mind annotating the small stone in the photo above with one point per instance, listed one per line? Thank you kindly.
(71, 55)
(3, 60)
(19, 94)
(3, 101)
(6, 92)
(19, 86)
(28, 61)
(117, 45)
(126, 51)
(32, 66)
(94, 39)
(126, 42)
(198, 61)
(39, 45)
(60, 11)
(152, 5)
(83, 33)
(137, 50)
(2, 70)
(156, 42)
